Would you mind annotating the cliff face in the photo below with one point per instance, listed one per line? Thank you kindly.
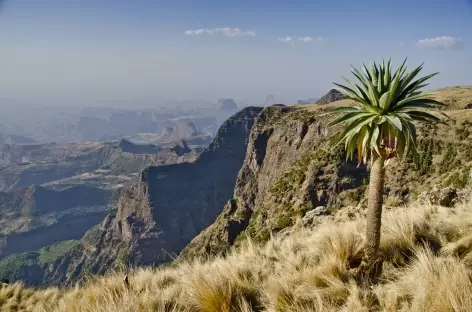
(287, 172)
(160, 213)
(290, 169)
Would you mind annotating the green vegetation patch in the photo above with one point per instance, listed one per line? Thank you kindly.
(94, 236)
(271, 116)
(12, 267)
(459, 178)
(50, 254)
(423, 160)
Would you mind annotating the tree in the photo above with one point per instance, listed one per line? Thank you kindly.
(381, 126)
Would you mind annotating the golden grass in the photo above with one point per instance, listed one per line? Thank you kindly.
(428, 267)
(456, 98)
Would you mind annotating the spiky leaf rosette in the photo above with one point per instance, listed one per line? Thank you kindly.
(387, 106)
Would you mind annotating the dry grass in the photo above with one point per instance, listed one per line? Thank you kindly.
(428, 267)
(456, 98)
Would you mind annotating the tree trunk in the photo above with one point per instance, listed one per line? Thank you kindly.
(374, 209)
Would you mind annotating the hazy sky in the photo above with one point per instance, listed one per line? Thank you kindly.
(97, 51)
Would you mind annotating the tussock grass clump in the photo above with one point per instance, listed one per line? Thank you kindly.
(428, 267)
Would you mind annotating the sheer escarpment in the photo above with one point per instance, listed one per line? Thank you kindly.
(291, 168)
(164, 209)
(288, 171)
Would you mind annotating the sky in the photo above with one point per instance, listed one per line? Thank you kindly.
(153, 52)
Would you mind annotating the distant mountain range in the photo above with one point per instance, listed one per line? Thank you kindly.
(15, 139)
(65, 124)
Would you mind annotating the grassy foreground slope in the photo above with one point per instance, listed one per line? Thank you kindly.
(428, 252)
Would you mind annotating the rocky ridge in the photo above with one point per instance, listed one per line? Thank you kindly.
(38, 164)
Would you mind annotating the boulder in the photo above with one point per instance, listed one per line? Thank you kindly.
(311, 216)
(468, 106)
(447, 197)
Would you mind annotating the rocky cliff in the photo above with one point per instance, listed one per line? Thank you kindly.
(291, 169)
(163, 210)
(288, 171)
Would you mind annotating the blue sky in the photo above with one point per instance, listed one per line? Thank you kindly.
(93, 52)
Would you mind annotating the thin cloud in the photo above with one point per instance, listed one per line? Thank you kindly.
(305, 39)
(224, 31)
(299, 39)
(441, 43)
(286, 39)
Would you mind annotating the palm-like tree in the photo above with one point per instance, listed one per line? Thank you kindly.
(382, 126)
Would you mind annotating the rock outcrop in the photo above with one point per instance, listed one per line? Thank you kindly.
(130, 147)
(312, 216)
(184, 130)
(287, 172)
(447, 196)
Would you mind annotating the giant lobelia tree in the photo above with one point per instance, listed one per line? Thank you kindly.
(381, 126)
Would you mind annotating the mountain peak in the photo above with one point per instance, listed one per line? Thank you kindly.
(332, 96)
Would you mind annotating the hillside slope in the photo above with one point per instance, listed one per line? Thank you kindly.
(290, 169)
(428, 268)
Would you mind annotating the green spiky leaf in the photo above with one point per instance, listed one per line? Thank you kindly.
(389, 103)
